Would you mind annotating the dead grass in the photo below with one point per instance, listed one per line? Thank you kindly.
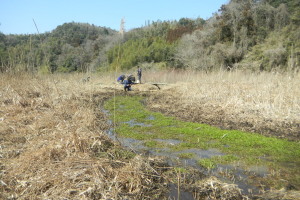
(268, 103)
(53, 144)
(212, 188)
(274, 96)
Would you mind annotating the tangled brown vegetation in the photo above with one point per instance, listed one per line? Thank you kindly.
(54, 146)
(266, 103)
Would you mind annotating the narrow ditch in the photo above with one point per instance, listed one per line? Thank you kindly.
(226, 173)
(148, 133)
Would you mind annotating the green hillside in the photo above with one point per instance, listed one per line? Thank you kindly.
(248, 34)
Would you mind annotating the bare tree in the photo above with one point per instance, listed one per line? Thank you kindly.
(282, 17)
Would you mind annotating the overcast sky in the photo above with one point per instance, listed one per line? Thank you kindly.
(16, 16)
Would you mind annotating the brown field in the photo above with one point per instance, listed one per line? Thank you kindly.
(53, 143)
(266, 103)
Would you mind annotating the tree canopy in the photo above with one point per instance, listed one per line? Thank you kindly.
(248, 34)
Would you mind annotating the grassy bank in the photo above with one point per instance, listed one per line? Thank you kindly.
(248, 149)
(54, 145)
(265, 103)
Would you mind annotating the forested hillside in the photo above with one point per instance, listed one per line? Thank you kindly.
(70, 47)
(260, 35)
(246, 34)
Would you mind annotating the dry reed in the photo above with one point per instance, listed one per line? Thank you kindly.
(53, 144)
(268, 103)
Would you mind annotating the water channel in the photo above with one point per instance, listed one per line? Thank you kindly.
(169, 145)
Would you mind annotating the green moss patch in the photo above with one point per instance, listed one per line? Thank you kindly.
(134, 121)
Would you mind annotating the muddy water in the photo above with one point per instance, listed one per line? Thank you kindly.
(226, 173)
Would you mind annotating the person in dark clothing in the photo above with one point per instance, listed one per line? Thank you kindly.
(127, 84)
(121, 78)
(131, 78)
(139, 73)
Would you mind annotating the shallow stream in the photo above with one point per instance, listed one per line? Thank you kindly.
(228, 173)
(211, 150)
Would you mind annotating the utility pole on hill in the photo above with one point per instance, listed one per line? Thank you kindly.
(122, 27)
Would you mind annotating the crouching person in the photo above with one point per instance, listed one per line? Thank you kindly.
(127, 84)
(121, 79)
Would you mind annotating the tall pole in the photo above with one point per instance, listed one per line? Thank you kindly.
(122, 26)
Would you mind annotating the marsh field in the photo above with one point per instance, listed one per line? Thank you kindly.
(218, 135)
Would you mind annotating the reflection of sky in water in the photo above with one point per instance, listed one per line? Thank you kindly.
(169, 141)
(150, 117)
(173, 157)
(133, 122)
(200, 153)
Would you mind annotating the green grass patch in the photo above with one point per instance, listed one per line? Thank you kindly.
(180, 170)
(134, 121)
(225, 159)
(207, 163)
(153, 144)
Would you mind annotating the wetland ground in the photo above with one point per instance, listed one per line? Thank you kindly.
(54, 143)
(253, 161)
